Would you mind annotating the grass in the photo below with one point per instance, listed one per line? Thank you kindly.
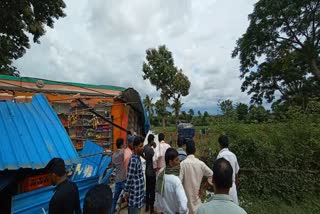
(310, 205)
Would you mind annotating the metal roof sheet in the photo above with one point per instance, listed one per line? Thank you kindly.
(52, 82)
(37, 201)
(89, 165)
(31, 134)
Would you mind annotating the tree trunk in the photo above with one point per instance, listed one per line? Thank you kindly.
(316, 69)
(177, 115)
(163, 122)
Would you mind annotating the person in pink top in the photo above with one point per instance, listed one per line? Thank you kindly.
(127, 153)
(160, 151)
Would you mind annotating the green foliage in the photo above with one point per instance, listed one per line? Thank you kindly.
(278, 160)
(280, 50)
(242, 111)
(20, 19)
(147, 102)
(160, 70)
(9, 70)
(161, 109)
(258, 114)
(184, 116)
(254, 205)
(226, 107)
(180, 85)
(190, 115)
(176, 106)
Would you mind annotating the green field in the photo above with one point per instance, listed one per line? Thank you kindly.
(280, 163)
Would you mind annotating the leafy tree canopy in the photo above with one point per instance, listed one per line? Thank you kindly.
(19, 19)
(280, 50)
(160, 70)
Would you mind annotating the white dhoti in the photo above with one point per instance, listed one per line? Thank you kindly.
(233, 194)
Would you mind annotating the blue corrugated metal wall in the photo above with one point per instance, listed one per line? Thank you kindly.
(31, 134)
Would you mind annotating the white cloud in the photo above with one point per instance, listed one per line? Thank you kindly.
(104, 42)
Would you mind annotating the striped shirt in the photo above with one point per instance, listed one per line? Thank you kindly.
(135, 182)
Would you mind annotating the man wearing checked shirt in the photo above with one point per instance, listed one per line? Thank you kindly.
(134, 188)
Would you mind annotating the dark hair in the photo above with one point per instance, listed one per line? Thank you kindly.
(137, 141)
(119, 143)
(171, 154)
(56, 166)
(223, 141)
(98, 200)
(150, 138)
(222, 173)
(160, 137)
(190, 146)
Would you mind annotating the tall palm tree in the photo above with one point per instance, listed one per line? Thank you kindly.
(176, 105)
(147, 102)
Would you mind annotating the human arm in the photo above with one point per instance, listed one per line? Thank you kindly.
(207, 172)
(181, 175)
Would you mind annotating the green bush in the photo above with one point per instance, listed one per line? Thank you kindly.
(279, 160)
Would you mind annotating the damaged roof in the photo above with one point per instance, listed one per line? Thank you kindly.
(31, 134)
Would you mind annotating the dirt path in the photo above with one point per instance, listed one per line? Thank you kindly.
(125, 211)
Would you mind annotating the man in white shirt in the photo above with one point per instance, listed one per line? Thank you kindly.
(158, 158)
(191, 173)
(170, 193)
(231, 157)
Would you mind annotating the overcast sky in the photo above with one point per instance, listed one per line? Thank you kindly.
(104, 42)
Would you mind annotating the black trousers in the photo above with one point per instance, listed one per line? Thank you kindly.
(150, 191)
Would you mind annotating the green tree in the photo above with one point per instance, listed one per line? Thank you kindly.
(190, 114)
(280, 49)
(147, 102)
(258, 114)
(205, 118)
(19, 19)
(180, 87)
(279, 110)
(199, 114)
(226, 106)
(184, 115)
(176, 105)
(161, 109)
(206, 114)
(242, 111)
(160, 70)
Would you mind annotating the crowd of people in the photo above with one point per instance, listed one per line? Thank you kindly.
(169, 184)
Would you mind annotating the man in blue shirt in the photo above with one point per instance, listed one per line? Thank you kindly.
(180, 150)
(134, 187)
